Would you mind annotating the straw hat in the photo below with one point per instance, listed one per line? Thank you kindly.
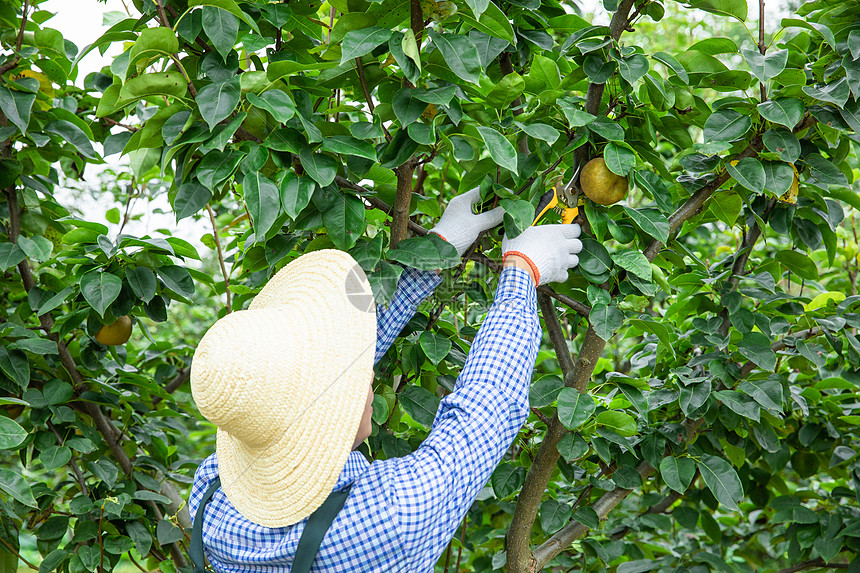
(286, 383)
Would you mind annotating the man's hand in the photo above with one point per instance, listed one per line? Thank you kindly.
(460, 227)
(548, 251)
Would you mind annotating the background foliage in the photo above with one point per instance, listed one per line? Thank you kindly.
(694, 405)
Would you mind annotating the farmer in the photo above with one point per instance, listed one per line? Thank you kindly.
(288, 384)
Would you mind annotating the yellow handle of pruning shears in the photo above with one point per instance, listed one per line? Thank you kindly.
(548, 201)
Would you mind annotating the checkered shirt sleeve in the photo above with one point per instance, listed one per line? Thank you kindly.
(432, 488)
(412, 288)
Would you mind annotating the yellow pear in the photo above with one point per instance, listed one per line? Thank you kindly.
(602, 185)
(118, 332)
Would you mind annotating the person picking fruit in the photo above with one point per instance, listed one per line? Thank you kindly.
(288, 383)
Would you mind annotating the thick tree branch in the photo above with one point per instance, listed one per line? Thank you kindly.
(402, 202)
(519, 533)
(574, 530)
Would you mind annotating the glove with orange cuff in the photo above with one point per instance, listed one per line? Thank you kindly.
(550, 250)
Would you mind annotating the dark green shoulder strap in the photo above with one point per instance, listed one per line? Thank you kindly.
(309, 543)
(196, 551)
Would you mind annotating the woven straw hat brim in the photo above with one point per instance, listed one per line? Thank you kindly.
(286, 383)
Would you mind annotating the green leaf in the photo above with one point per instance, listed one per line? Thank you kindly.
(575, 116)
(726, 207)
(594, 259)
(142, 282)
(587, 516)
(749, 173)
(37, 247)
(384, 280)
(677, 472)
(722, 480)
(419, 403)
(357, 43)
(574, 408)
(345, 220)
(782, 142)
(755, 346)
(263, 201)
(153, 43)
(167, 83)
(651, 221)
(540, 131)
(633, 68)
(321, 168)
(506, 91)
(11, 434)
(671, 62)
(410, 47)
(347, 145)
(740, 404)
(16, 106)
(276, 102)
(823, 172)
(545, 391)
(222, 27)
(726, 125)
(501, 150)
(619, 158)
(768, 393)
(605, 319)
(778, 176)
(799, 264)
(15, 365)
(519, 216)
(217, 101)
(786, 111)
(766, 66)
(141, 536)
(10, 255)
(167, 533)
(461, 55)
(607, 128)
(545, 71)
(73, 135)
(296, 193)
(190, 198)
(507, 479)
(425, 253)
(619, 422)
(16, 485)
(100, 289)
(633, 262)
(406, 107)
(553, 515)
(836, 93)
(435, 346)
(55, 457)
(492, 22)
(478, 6)
(736, 8)
(177, 279)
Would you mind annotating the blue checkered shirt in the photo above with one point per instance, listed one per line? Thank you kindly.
(402, 512)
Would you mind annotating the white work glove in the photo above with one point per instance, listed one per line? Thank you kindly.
(460, 227)
(550, 250)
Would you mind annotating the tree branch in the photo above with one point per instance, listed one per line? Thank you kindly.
(18, 41)
(72, 462)
(781, 344)
(556, 333)
(697, 200)
(181, 378)
(220, 258)
(819, 562)
(574, 530)
(402, 202)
